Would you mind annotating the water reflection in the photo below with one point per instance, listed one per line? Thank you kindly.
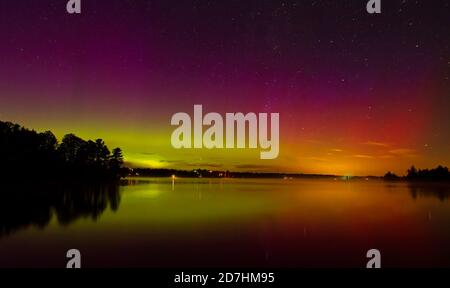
(23, 206)
(227, 222)
(440, 191)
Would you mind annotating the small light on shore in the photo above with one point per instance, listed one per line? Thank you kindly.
(173, 177)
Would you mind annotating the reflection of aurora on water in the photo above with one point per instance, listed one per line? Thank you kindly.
(192, 222)
(24, 206)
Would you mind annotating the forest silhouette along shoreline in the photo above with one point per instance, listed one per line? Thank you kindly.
(25, 152)
(438, 174)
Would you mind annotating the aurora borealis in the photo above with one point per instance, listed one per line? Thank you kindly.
(357, 94)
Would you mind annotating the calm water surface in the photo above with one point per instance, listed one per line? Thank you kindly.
(152, 222)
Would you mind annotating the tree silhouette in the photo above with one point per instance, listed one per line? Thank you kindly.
(26, 152)
(116, 160)
(70, 149)
(411, 173)
(391, 176)
(439, 173)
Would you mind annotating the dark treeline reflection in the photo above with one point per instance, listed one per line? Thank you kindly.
(22, 206)
(436, 190)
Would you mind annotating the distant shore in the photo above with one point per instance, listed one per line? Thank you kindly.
(434, 175)
(205, 173)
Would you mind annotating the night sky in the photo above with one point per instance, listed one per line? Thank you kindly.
(357, 94)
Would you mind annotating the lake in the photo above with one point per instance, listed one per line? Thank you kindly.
(157, 222)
